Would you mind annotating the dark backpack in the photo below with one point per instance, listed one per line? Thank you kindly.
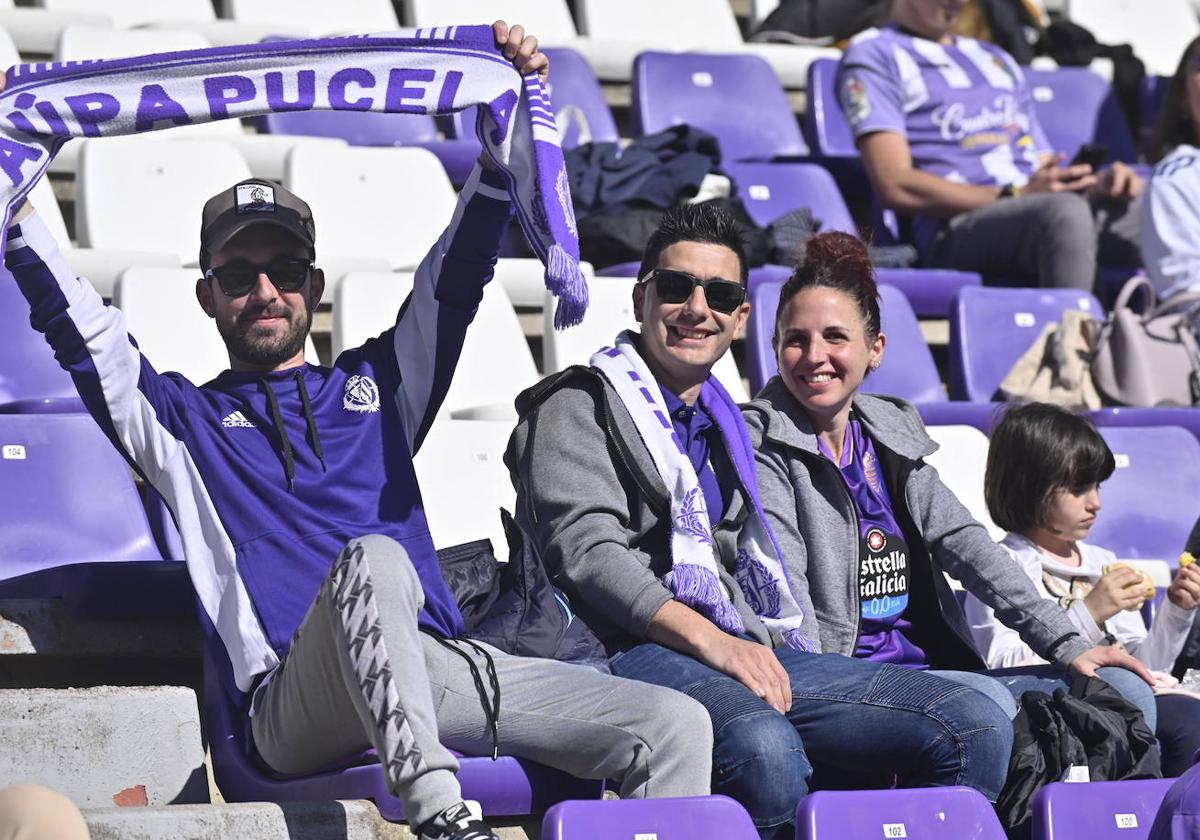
(513, 606)
(1092, 725)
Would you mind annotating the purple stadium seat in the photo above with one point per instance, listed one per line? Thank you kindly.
(737, 98)
(661, 819)
(74, 524)
(991, 327)
(908, 369)
(505, 787)
(1153, 497)
(366, 128)
(1097, 810)
(953, 813)
(31, 381)
(1185, 417)
(578, 99)
(824, 123)
(769, 190)
(1076, 106)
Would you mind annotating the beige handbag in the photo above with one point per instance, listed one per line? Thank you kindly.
(1152, 357)
(1055, 368)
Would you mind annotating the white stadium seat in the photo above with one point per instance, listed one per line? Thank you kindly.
(168, 324)
(460, 467)
(100, 267)
(495, 364)
(550, 20)
(609, 312)
(699, 25)
(133, 193)
(36, 31)
(315, 17)
(961, 460)
(388, 204)
(196, 15)
(1158, 30)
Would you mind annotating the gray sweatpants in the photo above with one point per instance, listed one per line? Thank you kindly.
(1041, 239)
(359, 674)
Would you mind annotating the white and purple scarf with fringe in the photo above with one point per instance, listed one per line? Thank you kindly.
(694, 577)
(422, 71)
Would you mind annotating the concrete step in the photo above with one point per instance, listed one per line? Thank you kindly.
(42, 626)
(98, 745)
(347, 820)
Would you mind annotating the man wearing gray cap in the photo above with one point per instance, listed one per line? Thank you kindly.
(279, 467)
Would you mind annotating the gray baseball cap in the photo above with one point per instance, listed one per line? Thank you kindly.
(255, 201)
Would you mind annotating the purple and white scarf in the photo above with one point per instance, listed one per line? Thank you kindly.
(423, 71)
(694, 577)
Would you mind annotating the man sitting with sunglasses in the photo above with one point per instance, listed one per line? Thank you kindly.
(635, 478)
(296, 500)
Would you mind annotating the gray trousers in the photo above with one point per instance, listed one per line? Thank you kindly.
(1041, 239)
(359, 674)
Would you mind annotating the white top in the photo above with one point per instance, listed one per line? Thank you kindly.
(1003, 648)
(1170, 222)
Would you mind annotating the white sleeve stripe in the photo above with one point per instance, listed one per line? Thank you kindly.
(165, 461)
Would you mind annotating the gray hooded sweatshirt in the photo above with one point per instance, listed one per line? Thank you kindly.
(598, 512)
(816, 523)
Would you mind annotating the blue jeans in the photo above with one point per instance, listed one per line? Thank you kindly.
(1048, 678)
(847, 714)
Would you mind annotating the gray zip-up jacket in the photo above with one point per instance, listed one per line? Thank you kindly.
(590, 497)
(816, 523)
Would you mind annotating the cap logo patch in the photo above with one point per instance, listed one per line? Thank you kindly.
(255, 198)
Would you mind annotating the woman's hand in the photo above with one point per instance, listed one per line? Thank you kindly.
(1121, 588)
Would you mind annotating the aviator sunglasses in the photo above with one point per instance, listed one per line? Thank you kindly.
(673, 286)
(239, 277)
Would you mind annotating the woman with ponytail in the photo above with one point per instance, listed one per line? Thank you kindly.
(866, 527)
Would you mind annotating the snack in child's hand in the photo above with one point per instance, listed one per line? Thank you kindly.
(1147, 581)
(1186, 559)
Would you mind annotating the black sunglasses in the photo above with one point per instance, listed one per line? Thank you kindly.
(239, 277)
(673, 286)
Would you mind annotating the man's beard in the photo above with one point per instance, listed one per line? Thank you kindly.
(265, 350)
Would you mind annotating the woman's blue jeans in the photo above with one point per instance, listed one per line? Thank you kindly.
(847, 714)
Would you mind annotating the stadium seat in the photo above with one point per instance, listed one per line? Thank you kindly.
(737, 98)
(961, 461)
(133, 193)
(464, 483)
(580, 109)
(361, 202)
(1158, 30)
(366, 304)
(507, 786)
(550, 20)
(74, 524)
(36, 31)
(769, 190)
(609, 312)
(31, 380)
(1184, 417)
(1153, 497)
(702, 25)
(825, 125)
(908, 369)
(196, 15)
(661, 819)
(1097, 810)
(1075, 106)
(991, 327)
(370, 128)
(524, 279)
(952, 813)
(168, 324)
(313, 17)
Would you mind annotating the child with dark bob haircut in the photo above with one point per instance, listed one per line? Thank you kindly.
(1044, 471)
